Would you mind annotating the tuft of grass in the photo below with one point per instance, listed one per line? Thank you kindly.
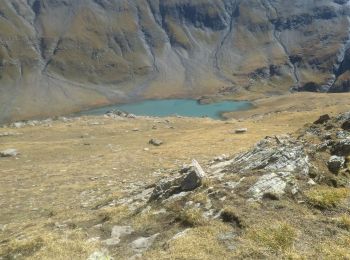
(192, 217)
(22, 248)
(198, 243)
(338, 249)
(279, 237)
(325, 197)
(200, 197)
(344, 222)
(48, 245)
(115, 214)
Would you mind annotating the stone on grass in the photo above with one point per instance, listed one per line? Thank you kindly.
(155, 142)
(194, 178)
(143, 243)
(323, 119)
(335, 163)
(241, 130)
(117, 233)
(99, 255)
(188, 181)
(346, 125)
(9, 153)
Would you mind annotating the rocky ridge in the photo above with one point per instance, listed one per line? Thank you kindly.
(281, 174)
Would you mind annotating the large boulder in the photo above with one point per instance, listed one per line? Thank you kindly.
(188, 181)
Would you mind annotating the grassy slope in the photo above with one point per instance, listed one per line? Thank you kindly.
(51, 196)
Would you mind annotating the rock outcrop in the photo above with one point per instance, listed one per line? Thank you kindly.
(277, 166)
(58, 56)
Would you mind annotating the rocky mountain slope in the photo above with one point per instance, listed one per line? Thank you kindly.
(57, 56)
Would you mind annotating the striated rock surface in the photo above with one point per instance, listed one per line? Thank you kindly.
(57, 56)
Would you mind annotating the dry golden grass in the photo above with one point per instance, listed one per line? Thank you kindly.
(192, 217)
(69, 173)
(327, 197)
(344, 221)
(196, 244)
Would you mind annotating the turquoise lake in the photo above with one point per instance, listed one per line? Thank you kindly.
(170, 107)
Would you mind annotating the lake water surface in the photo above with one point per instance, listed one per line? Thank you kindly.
(169, 107)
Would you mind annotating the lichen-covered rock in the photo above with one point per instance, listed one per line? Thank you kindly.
(280, 153)
(272, 185)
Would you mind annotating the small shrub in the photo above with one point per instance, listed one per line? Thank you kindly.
(326, 197)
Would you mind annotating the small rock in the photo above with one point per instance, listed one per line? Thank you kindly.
(9, 153)
(2, 227)
(181, 234)
(155, 142)
(346, 125)
(311, 182)
(241, 130)
(341, 148)
(117, 233)
(100, 255)
(93, 240)
(19, 124)
(136, 130)
(221, 158)
(323, 119)
(132, 116)
(146, 149)
(143, 243)
(335, 163)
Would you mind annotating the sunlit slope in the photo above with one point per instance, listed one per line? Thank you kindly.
(57, 56)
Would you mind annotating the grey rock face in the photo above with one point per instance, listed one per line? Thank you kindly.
(335, 163)
(276, 154)
(272, 185)
(9, 153)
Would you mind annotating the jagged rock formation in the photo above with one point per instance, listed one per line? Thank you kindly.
(57, 56)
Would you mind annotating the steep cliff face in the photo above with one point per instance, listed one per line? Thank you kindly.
(58, 56)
